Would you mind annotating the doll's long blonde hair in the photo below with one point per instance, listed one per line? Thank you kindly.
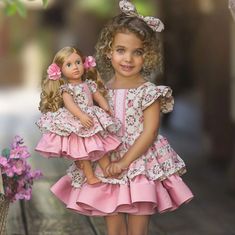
(51, 97)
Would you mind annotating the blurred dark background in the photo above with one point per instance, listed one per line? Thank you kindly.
(199, 65)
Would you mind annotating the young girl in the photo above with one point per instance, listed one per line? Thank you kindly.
(146, 170)
(73, 127)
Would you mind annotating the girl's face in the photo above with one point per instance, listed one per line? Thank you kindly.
(127, 55)
(73, 68)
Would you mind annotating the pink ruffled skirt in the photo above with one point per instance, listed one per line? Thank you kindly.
(75, 147)
(140, 197)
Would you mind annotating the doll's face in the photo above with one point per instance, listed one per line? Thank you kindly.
(73, 68)
(127, 54)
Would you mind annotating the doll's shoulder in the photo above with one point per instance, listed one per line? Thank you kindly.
(67, 88)
(92, 85)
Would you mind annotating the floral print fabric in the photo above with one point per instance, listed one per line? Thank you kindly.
(160, 160)
(63, 123)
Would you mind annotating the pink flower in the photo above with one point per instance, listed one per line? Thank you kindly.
(9, 172)
(17, 141)
(89, 62)
(54, 72)
(3, 162)
(36, 174)
(17, 175)
(19, 152)
(19, 167)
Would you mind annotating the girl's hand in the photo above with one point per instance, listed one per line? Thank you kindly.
(86, 120)
(115, 168)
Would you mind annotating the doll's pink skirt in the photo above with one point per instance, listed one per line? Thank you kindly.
(75, 147)
(140, 197)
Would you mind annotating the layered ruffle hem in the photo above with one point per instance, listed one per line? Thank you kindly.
(74, 147)
(141, 190)
(64, 135)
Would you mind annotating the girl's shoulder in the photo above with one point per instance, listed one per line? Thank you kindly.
(151, 92)
(161, 89)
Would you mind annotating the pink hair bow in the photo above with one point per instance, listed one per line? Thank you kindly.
(129, 9)
(54, 72)
(89, 62)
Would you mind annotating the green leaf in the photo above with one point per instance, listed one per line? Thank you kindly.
(45, 3)
(6, 152)
(10, 9)
(144, 8)
(21, 8)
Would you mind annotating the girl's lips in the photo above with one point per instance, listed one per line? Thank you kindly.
(127, 67)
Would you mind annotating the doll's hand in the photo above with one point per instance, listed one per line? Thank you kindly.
(108, 110)
(115, 168)
(86, 120)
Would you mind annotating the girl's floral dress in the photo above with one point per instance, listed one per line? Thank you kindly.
(151, 184)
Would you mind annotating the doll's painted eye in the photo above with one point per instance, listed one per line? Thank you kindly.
(68, 65)
(78, 62)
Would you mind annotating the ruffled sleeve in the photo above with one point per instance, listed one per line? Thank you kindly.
(92, 85)
(66, 88)
(164, 93)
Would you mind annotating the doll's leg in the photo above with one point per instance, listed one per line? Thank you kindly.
(116, 224)
(104, 162)
(85, 165)
(138, 224)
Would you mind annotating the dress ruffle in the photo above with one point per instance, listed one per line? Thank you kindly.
(63, 123)
(151, 93)
(140, 197)
(90, 148)
(158, 163)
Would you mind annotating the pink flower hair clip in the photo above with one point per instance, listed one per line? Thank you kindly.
(89, 62)
(54, 72)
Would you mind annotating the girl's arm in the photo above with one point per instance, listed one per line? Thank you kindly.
(102, 102)
(76, 111)
(143, 142)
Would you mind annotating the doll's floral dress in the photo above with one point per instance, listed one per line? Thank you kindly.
(151, 184)
(65, 136)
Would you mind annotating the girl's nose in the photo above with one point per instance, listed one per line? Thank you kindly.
(128, 57)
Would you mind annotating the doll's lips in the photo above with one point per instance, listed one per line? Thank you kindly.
(76, 72)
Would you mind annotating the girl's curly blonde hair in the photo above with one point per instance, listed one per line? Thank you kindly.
(51, 97)
(122, 24)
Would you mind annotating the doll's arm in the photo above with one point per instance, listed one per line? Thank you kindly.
(142, 143)
(76, 111)
(102, 102)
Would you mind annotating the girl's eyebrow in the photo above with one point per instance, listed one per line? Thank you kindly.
(119, 46)
(139, 48)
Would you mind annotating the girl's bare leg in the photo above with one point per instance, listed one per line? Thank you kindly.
(85, 165)
(103, 163)
(138, 224)
(116, 224)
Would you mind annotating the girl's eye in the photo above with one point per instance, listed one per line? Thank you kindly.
(139, 53)
(68, 65)
(120, 50)
(78, 62)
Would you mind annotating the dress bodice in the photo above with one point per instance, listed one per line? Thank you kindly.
(82, 93)
(129, 104)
